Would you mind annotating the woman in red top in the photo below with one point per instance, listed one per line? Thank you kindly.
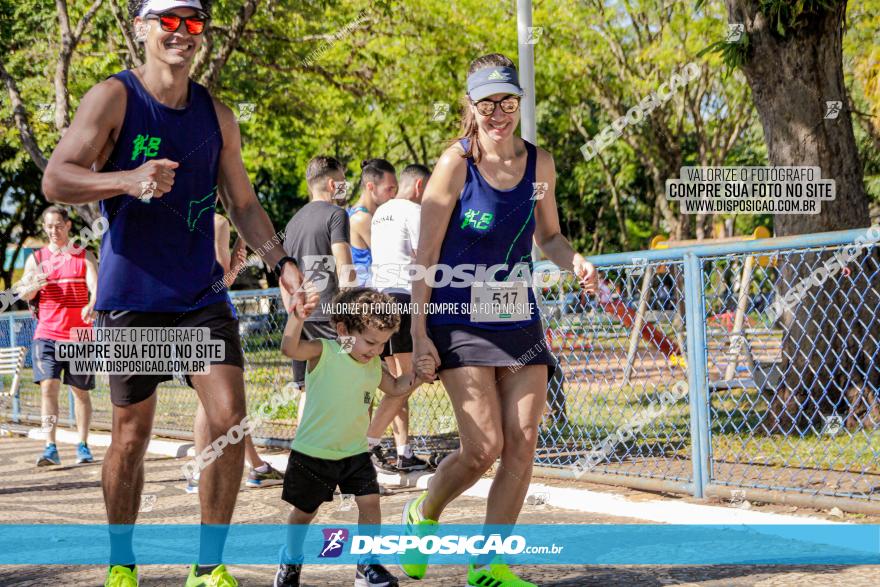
(64, 278)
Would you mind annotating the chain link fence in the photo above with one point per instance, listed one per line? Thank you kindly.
(793, 387)
(745, 365)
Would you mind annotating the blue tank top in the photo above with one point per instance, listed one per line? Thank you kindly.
(158, 254)
(362, 259)
(488, 227)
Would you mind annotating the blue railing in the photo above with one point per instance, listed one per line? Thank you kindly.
(794, 431)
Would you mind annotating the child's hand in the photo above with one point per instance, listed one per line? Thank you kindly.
(312, 297)
(425, 368)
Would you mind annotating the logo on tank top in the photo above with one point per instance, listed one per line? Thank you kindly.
(477, 219)
(199, 207)
(368, 397)
(145, 144)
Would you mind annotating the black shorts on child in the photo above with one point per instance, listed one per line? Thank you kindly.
(310, 481)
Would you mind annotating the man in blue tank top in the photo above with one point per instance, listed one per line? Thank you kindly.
(165, 148)
(378, 185)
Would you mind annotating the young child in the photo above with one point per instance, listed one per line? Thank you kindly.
(330, 448)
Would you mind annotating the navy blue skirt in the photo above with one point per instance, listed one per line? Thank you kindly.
(460, 345)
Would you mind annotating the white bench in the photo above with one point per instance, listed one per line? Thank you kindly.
(11, 363)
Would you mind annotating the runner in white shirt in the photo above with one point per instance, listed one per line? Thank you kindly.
(395, 236)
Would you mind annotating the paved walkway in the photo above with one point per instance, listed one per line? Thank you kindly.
(72, 494)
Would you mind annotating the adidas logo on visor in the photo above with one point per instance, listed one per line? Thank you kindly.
(497, 75)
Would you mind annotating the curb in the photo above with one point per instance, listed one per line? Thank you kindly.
(581, 500)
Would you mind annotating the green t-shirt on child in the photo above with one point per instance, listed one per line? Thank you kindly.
(336, 415)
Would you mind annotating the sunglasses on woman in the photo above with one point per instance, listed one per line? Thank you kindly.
(509, 105)
(195, 25)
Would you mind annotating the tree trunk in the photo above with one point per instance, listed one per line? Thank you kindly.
(791, 79)
(829, 335)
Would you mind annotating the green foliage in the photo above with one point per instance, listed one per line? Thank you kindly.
(862, 74)
(790, 15)
(357, 79)
(733, 55)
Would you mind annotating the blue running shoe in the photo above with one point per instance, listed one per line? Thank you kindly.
(83, 454)
(49, 456)
(192, 485)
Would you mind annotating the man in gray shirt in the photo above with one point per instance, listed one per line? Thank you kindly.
(318, 238)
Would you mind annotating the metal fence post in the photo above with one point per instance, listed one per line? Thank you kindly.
(696, 359)
(16, 408)
(16, 398)
(12, 331)
(71, 411)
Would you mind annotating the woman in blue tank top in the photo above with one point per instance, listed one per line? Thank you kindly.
(490, 195)
(362, 259)
(378, 185)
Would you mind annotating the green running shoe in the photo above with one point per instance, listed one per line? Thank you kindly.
(413, 563)
(496, 574)
(119, 576)
(220, 577)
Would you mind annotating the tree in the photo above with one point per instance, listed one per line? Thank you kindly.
(795, 67)
(70, 35)
(355, 79)
(793, 61)
(630, 53)
(22, 204)
(71, 31)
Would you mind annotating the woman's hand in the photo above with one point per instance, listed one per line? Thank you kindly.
(587, 274)
(423, 352)
(425, 368)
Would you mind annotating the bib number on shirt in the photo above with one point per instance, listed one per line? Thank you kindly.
(499, 301)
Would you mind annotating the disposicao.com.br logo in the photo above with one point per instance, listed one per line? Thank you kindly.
(334, 542)
(452, 544)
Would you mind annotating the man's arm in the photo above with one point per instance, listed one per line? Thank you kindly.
(413, 224)
(221, 243)
(29, 284)
(69, 177)
(340, 237)
(345, 271)
(245, 211)
(286, 298)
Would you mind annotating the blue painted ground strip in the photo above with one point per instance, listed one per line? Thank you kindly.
(581, 544)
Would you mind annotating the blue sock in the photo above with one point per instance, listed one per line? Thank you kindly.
(121, 552)
(212, 541)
